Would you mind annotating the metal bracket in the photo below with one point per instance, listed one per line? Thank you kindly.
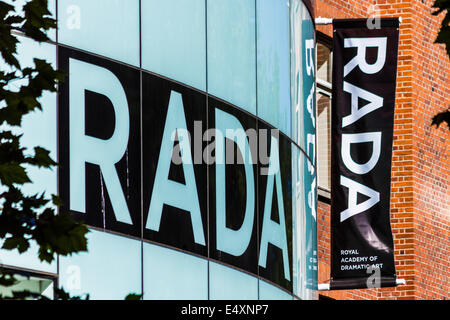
(323, 21)
(326, 286)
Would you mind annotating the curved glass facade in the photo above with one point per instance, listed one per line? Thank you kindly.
(145, 78)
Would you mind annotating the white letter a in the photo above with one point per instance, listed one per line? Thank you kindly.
(353, 206)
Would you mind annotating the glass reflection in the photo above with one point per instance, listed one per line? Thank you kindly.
(303, 77)
(38, 129)
(273, 63)
(110, 270)
(231, 52)
(232, 62)
(275, 212)
(304, 134)
(170, 274)
(18, 5)
(270, 292)
(230, 284)
(106, 27)
(174, 40)
(304, 226)
(35, 285)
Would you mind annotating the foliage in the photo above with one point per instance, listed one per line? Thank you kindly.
(133, 297)
(444, 38)
(444, 33)
(26, 218)
(441, 117)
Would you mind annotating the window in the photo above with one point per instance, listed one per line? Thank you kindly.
(110, 269)
(324, 66)
(34, 283)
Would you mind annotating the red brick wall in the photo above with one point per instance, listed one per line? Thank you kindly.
(431, 160)
(420, 197)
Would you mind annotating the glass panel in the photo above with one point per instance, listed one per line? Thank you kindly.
(296, 9)
(309, 100)
(304, 134)
(174, 40)
(226, 283)
(304, 226)
(275, 209)
(271, 292)
(233, 188)
(174, 189)
(38, 129)
(323, 62)
(26, 260)
(323, 140)
(106, 27)
(273, 63)
(310, 203)
(111, 269)
(32, 284)
(99, 141)
(170, 274)
(231, 52)
(18, 5)
(298, 224)
(302, 77)
(309, 120)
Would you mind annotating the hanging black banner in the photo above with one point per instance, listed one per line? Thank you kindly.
(364, 79)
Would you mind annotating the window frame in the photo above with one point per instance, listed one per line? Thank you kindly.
(324, 88)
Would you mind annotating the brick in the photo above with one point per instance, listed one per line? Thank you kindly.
(421, 158)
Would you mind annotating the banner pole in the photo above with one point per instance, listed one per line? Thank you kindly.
(323, 287)
(326, 286)
(361, 235)
(322, 21)
(325, 21)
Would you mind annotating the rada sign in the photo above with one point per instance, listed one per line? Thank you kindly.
(120, 132)
(364, 73)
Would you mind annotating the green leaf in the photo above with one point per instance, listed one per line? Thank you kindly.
(441, 117)
(41, 158)
(56, 200)
(28, 218)
(133, 297)
(444, 33)
(25, 295)
(444, 37)
(18, 243)
(13, 173)
(13, 19)
(7, 278)
(61, 294)
(59, 234)
(441, 5)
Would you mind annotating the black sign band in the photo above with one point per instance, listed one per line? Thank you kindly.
(364, 79)
(184, 170)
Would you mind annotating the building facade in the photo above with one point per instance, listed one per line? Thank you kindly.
(420, 193)
(185, 136)
(147, 77)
